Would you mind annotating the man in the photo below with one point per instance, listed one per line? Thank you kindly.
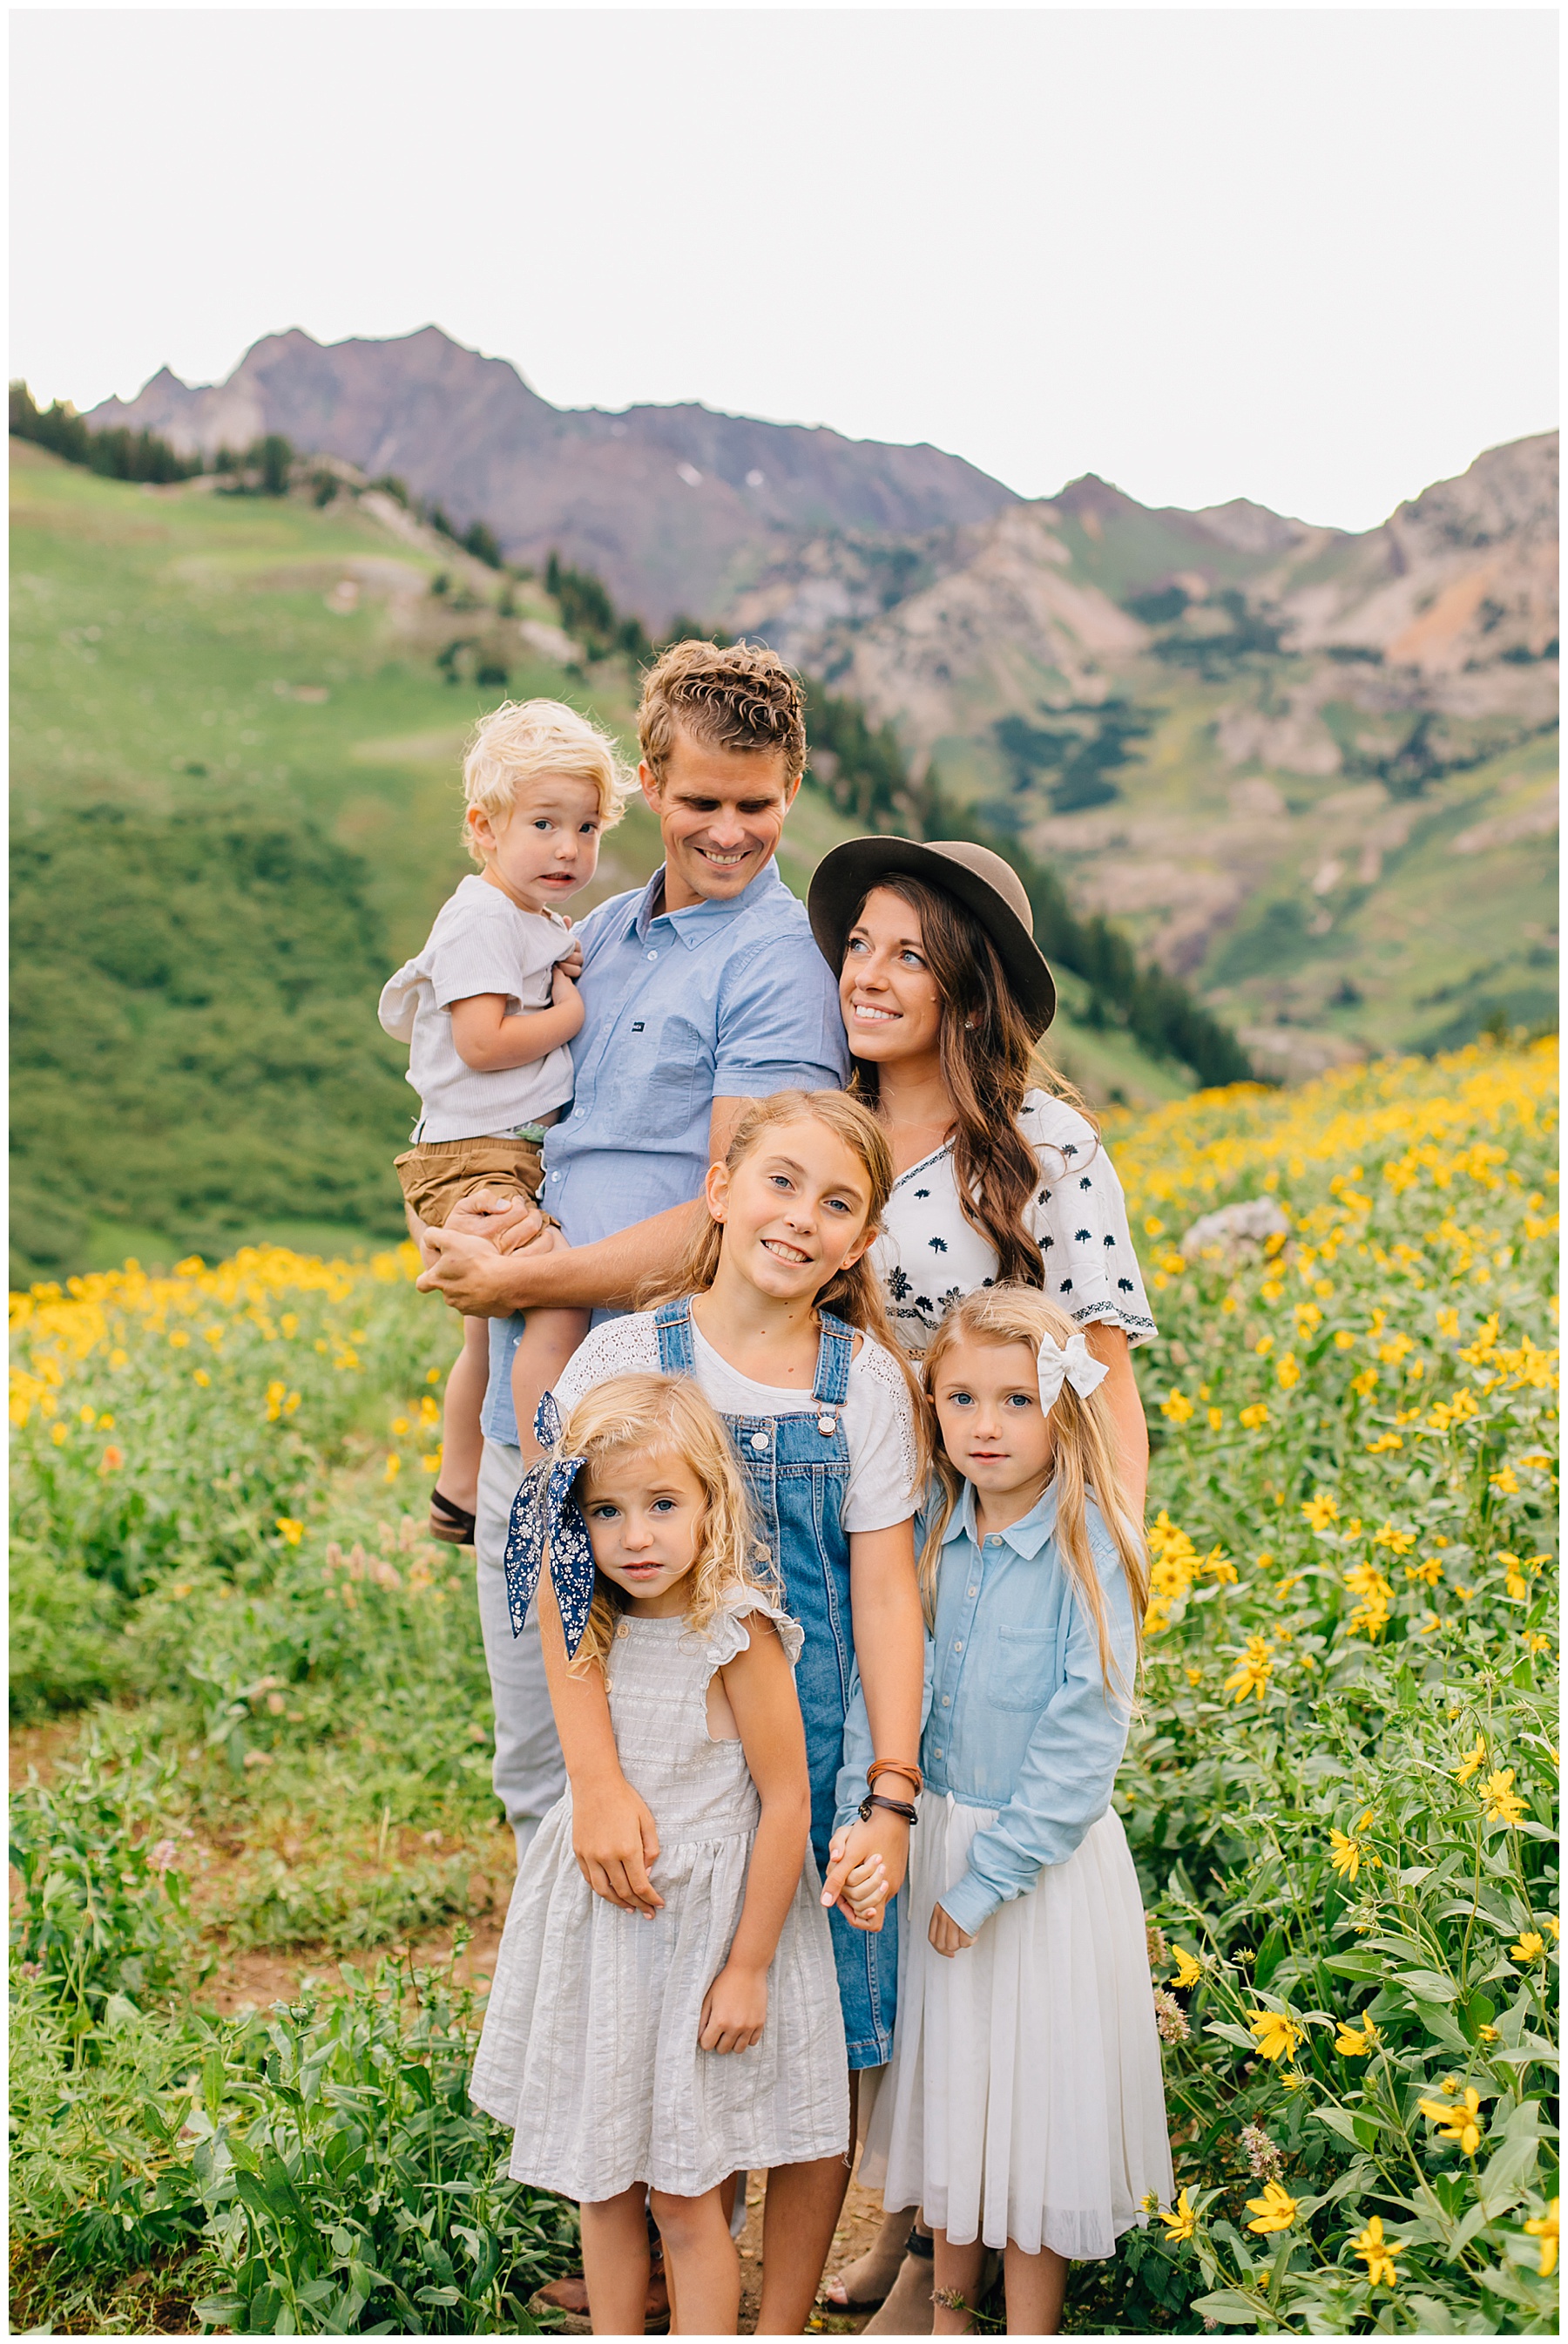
(702, 991)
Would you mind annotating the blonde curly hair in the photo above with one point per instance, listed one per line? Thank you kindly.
(522, 740)
(646, 1413)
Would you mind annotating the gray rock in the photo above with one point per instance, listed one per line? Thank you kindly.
(1238, 1230)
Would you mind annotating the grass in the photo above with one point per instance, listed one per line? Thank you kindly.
(258, 1700)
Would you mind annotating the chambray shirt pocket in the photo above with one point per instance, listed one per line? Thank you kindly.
(1016, 1669)
(650, 1081)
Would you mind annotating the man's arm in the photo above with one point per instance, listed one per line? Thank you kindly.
(484, 1283)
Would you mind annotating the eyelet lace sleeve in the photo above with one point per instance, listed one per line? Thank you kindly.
(622, 1346)
(727, 1636)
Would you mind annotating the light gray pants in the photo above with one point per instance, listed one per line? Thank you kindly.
(528, 1774)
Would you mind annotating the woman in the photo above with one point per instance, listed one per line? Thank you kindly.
(945, 995)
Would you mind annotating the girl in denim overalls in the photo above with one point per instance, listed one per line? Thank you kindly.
(777, 1314)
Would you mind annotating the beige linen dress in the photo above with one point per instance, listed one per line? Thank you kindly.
(589, 2048)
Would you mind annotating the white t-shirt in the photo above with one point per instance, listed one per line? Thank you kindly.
(481, 942)
(930, 1255)
(877, 1417)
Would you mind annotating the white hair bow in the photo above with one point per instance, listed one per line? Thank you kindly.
(1076, 1366)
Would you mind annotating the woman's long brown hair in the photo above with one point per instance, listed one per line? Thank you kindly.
(988, 1061)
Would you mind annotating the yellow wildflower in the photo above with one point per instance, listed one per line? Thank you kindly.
(1288, 1374)
(1397, 1542)
(1544, 2228)
(1500, 1801)
(1264, 1346)
(1356, 2043)
(1531, 1945)
(1473, 1761)
(1505, 1481)
(1384, 1442)
(1189, 1968)
(394, 1466)
(1345, 1855)
(1183, 2221)
(1275, 2209)
(1275, 2035)
(1322, 1510)
(1216, 1419)
(291, 1531)
(1177, 1407)
(1251, 1672)
(1343, 1340)
(1378, 2253)
(1460, 2122)
(1255, 1417)
(1293, 2080)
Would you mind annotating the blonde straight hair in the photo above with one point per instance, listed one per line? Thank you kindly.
(1085, 1459)
(645, 1413)
(854, 1295)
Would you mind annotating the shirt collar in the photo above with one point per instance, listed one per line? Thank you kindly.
(690, 922)
(1025, 1537)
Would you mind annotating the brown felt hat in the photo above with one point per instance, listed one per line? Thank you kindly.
(989, 889)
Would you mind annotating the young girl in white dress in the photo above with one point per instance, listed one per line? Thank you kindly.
(658, 2054)
(1023, 2109)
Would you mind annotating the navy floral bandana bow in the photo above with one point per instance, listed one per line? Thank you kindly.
(544, 1512)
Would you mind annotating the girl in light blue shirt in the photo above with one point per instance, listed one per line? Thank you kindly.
(1023, 2108)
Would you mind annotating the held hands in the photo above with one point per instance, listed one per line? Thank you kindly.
(866, 1868)
(570, 963)
(734, 2010)
(946, 1935)
(616, 1842)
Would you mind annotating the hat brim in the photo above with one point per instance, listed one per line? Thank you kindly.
(846, 876)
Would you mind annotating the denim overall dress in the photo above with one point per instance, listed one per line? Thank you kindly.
(796, 1469)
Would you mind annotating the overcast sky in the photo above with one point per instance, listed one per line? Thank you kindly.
(1298, 256)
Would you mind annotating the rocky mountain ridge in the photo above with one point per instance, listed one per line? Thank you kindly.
(662, 502)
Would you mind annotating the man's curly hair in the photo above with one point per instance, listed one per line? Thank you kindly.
(738, 696)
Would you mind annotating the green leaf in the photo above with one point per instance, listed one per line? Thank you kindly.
(1226, 2309)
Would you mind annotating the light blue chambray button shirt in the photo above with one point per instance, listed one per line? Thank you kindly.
(720, 1000)
(1018, 1716)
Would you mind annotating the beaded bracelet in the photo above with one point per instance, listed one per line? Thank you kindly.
(895, 1766)
(893, 1806)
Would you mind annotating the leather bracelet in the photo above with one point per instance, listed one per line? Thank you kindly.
(894, 1766)
(893, 1806)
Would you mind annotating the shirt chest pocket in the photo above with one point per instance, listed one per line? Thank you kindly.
(1018, 1676)
(661, 1069)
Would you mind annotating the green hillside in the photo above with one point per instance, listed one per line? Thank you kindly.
(235, 807)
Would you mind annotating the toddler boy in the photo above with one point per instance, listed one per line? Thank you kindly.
(488, 1008)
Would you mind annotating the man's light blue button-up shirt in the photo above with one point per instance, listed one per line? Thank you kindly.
(719, 1000)
(1018, 1716)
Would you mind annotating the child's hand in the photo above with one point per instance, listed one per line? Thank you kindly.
(571, 962)
(734, 2010)
(885, 1837)
(946, 1935)
(616, 1842)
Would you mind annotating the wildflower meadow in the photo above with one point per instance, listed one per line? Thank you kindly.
(252, 1698)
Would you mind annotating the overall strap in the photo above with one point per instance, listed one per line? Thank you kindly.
(672, 1324)
(833, 1356)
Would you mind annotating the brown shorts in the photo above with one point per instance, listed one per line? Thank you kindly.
(439, 1175)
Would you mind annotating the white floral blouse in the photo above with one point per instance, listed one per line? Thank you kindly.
(930, 1255)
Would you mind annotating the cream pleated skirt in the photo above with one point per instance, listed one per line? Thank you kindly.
(1024, 2098)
